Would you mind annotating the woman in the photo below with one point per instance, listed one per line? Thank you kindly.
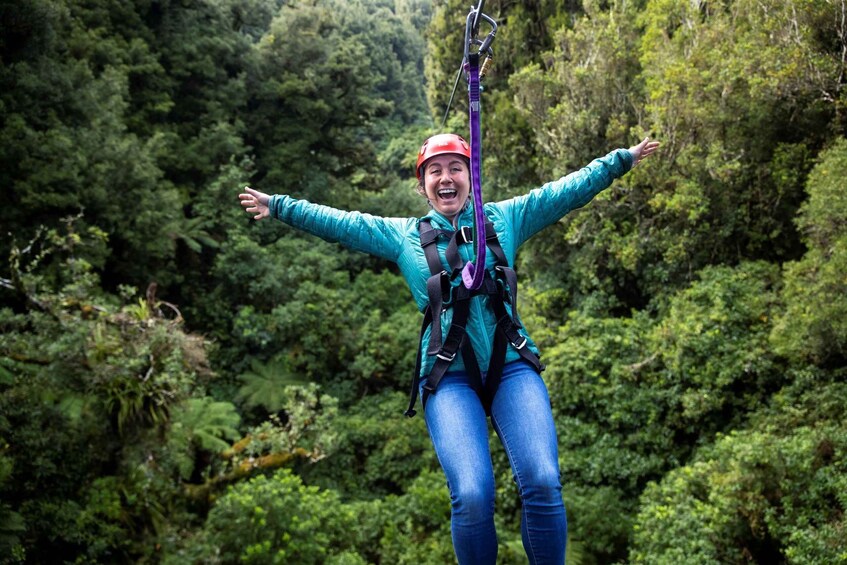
(497, 373)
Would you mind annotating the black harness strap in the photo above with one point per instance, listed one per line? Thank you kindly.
(413, 394)
(429, 236)
(507, 332)
(434, 289)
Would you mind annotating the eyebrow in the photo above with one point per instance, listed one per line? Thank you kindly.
(449, 163)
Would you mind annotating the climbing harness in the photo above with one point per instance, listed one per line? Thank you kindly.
(476, 280)
(501, 291)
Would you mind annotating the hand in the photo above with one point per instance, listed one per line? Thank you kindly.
(255, 202)
(643, 150)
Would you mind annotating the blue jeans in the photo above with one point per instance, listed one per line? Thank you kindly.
(523, 420)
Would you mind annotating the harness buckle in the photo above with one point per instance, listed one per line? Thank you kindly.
(522, 345)
(465, 233)
(446, 357)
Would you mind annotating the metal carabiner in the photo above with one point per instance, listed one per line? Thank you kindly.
(471, 32)
(472, 29)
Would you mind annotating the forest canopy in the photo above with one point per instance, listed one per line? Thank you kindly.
(180, 384)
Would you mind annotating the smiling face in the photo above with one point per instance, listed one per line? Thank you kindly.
(446, 183)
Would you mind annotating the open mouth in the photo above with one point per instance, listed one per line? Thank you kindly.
(447, 193)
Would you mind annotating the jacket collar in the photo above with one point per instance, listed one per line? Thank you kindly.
(464, 218)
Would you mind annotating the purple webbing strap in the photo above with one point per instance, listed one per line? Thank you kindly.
(472, 273)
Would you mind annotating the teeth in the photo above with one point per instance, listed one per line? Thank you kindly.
(447, 192)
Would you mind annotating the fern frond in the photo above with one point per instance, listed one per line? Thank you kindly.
(209, 423)
(264, 384)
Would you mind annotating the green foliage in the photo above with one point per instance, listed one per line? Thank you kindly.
(633, 396)
(282, 314)
(201, 424)
(274, 519)
(599, 522)
(721, 111)
(141, 390)
(713, 348)
(305, 422)
(12, 527)
(578, 102)
(692, 316)
(277, 518)
(813, 324)
(264, 384)
(363, 63)
(754, 495)
(92, 385)
(388, 322)
(772, 491)
(421, 516)
(740, 122)
(103, 519)
(377, 452)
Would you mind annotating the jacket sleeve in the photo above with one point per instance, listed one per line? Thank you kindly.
(544, 206)
(355, 230)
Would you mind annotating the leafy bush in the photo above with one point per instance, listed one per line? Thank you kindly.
(773, 492)
(813, 326)
(377, 452)
(274, 519)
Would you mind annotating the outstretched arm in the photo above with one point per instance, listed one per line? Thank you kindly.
(355, 230)
(546, 205)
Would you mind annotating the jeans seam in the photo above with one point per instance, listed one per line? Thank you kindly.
(519, 480)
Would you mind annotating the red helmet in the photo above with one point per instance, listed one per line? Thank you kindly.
(438, 145)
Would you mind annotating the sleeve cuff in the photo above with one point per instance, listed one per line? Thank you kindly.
(629, 158)
(272, 206)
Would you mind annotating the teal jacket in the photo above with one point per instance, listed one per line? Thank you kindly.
(398, 239)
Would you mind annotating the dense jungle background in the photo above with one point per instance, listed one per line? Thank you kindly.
(180, 384)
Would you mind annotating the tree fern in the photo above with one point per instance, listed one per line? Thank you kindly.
(200, 423)
(264, 383)
(208, 423)
(12, 528)
(192, 232)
